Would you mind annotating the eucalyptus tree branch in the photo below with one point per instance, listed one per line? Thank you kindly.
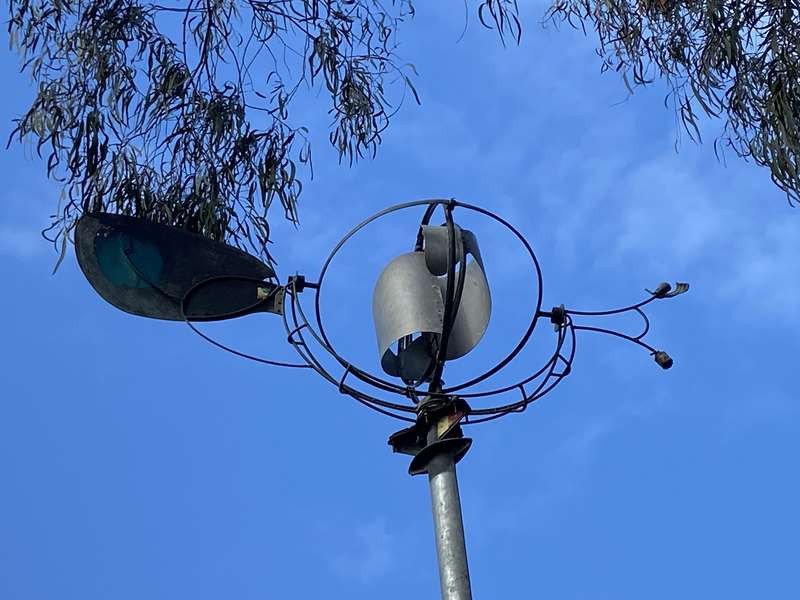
(150, 109)
(737, 60)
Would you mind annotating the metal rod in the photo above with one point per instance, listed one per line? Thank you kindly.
(449, 528)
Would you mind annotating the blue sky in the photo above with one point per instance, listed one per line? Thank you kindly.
(139, 462)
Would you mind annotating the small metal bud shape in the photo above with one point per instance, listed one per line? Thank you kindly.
(663, 359)
(662, 290)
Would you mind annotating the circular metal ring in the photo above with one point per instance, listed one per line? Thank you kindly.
(390, 386)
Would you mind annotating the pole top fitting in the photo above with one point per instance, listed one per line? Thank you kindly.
(437, 431)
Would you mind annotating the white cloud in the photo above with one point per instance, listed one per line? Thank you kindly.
(685, 219)
(676, 215)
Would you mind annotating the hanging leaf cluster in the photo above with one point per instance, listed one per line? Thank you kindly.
(738, 60)
(179, 112)
(503, 17)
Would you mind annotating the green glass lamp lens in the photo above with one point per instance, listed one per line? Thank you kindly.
(127, 261)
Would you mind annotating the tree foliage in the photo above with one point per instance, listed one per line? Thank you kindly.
(738, 60)
(180, 113)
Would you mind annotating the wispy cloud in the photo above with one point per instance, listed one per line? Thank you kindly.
(678, 218)
(369, 555)
(763, 269)
(561, 474)
(20, 242)
(25, 201)
(631, 202)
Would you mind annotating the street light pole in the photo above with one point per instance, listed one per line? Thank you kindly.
(437, 443)
(449, 528)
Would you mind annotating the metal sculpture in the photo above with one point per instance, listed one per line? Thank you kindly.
(430, 305)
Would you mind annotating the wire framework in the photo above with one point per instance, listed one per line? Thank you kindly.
(306, 333)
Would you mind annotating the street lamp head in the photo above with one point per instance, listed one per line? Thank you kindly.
(163, 272)
(432, 304)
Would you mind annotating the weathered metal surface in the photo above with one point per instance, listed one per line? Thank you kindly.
(407, 301)
(408, 304)
(449, 529)
(146, 269)
(437, 247)
(473, 314)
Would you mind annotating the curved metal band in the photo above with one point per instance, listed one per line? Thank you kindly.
(391, 386)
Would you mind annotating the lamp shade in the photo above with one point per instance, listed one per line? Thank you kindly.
(409, 300)
(148, 269)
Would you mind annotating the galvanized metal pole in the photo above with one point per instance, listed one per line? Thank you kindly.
(449, 528)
